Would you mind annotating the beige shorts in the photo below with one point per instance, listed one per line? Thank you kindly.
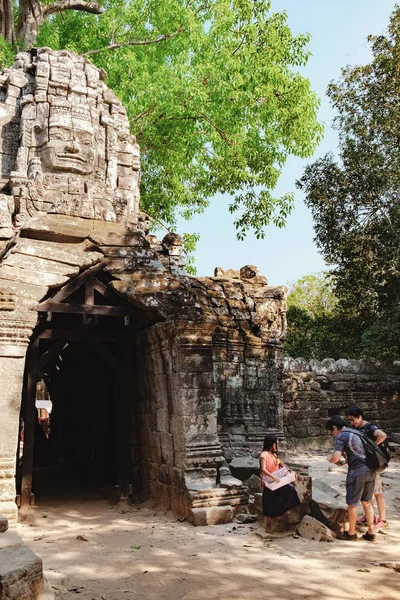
(378, 484)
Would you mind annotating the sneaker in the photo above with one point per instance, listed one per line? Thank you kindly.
(362, 520)
(380, 524)
(370, 537)
(347, 537)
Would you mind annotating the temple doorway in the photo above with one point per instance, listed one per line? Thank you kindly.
(80, 358)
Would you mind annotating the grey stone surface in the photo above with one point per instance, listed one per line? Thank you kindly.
(21, 576)
(246, 518)
(10, 539)
(312, 529)
(329, 506)
(253, 483)
(215, 515)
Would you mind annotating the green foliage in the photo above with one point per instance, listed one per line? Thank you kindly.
(313, 294)
(318, 327)
(6, 54)
(315, 329)
(216, 105)
(355, 202)
(189, 246)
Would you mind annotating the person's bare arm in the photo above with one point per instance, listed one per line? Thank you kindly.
(380, 436)
(336, 456)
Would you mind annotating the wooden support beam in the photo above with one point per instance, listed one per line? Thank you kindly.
(72, 286)
(84, 335)
(100, 286)
(89, 293)
(85, 309)
(51, 353)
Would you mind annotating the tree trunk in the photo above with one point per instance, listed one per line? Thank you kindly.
(29, 21)
(7, 21)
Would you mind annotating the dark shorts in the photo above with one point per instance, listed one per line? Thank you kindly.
(359, 487)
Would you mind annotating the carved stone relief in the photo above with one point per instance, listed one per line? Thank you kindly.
(65, 143)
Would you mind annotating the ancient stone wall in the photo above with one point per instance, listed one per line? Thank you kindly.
(313, 391)
(157, 443)
(247, 356)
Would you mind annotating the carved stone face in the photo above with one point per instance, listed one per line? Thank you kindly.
(68, 150)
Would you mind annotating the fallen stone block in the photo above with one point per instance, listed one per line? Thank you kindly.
(286, 522)
(214, 515)
(312, 529)
(246, 518)
(21, 574)
(253, 483)
(329, 506)
(243, 467)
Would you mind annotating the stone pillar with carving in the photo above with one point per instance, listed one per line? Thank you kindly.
(214, 495)
(15, 329)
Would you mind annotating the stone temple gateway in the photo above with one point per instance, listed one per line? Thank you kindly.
(156, 378)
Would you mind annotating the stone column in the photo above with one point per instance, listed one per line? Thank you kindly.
(12, 361)
(14, 338)
(214, 495)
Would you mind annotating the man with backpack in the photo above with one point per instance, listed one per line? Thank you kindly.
(360, 479)
(355, 416)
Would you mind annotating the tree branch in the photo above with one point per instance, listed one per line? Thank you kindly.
(240, 45)
(161, 38)
(56, 7)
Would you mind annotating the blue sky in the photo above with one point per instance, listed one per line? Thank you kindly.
(339, 30)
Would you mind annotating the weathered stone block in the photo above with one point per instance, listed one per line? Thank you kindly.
(245, 466)
(214, 515)
(314, 530)
(21, 575)
(254, 484)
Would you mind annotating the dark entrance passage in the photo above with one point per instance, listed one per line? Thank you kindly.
(82, 349)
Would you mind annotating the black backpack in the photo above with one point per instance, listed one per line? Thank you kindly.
(375, 458)
(384, 446)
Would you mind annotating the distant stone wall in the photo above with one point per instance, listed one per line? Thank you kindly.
(313, 391)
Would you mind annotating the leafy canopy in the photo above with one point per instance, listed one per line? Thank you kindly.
(314, 328)
(212, 95)
(356, 201)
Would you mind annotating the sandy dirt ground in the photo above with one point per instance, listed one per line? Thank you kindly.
(95, 551)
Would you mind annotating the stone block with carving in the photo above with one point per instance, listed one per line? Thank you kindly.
(75, 156)
(312, 529)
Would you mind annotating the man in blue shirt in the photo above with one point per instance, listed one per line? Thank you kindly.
(360, 479)
(356, 417)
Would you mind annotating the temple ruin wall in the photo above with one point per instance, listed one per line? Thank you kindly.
(313, 391)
